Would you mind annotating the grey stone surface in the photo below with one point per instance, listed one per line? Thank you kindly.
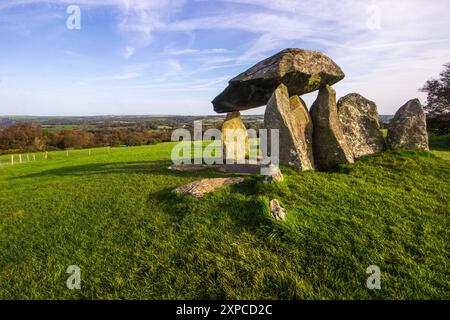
(273, 174)
(291, 117)
(199, 188)
(408, 128)
(302, 71)
(360, 124)
(329, 144)
(278, 212)
(235, 138)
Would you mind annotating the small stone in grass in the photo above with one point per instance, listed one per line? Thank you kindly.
(278, 212)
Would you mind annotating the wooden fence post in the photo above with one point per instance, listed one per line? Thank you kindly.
(20, 158)
(34, 157)
(46, 155)
(12, 159)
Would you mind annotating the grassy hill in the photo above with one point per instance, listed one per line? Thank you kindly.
(113, 215)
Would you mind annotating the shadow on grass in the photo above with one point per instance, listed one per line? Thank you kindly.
(439, 143)
(136, 167)
(161, 167)
(240, 204)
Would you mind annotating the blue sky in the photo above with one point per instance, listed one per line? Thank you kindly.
(174, 57)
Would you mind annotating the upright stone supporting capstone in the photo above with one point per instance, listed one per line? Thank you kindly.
(329, 145)
(291, 117)
(408, 128)
(234, 138)
(360, 124)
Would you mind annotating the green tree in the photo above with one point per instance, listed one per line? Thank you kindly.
(24, 137)
(438, 101)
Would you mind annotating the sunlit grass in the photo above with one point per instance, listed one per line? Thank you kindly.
(113, 214)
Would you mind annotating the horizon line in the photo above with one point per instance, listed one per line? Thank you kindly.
(134, 115)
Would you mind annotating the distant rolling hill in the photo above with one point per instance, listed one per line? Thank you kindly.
(92, 121)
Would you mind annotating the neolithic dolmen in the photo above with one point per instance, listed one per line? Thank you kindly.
(332, 133)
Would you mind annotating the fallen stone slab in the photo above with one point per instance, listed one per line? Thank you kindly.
(301, 71)
(238, 169)
(241, 169)
(199, 188)
(189, 167)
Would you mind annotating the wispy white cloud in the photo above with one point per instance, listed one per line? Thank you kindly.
(175, 67)
(137, 19)
(197, 84)
(387, 64)
(140, 18)
(129, 72)
(128, 52)
(190, 51)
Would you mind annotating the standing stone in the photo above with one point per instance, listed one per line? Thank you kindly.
(301, 71)
(291, 117)
(360, 124)
(273, 174)
(408, 128)
(329, 145)
(235, 138)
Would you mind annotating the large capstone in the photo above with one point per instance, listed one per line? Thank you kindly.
(235, 138)
(408, 128)
(291, 117)
(360, 124)
(302, 71)
(329, 145)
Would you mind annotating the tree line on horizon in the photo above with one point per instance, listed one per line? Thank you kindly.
(28, 137)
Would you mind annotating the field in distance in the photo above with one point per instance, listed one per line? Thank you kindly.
(124, 122)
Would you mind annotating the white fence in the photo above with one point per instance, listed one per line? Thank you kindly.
(23, 158)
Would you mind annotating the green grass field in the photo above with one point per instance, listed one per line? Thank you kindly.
(113, 215)
(61, 127)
